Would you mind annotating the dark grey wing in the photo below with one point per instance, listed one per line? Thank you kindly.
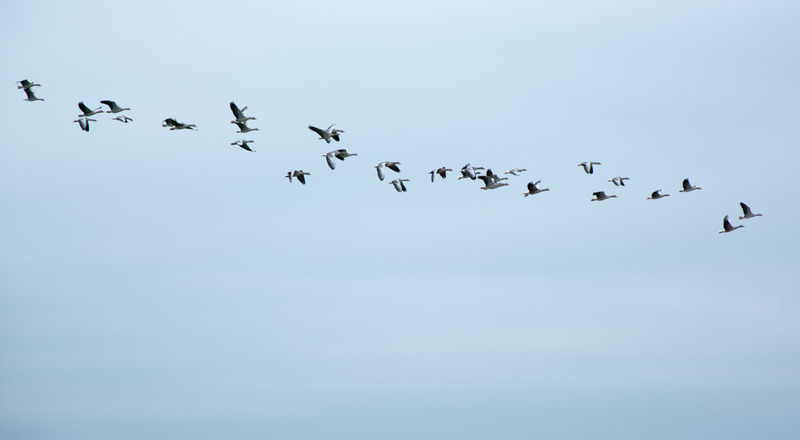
(318, 131)
(402, 186)
(591, 169)
(335, 137)
(236, 112)
(599, 194)
(29, 93)
(531, 187)
(393, 167)
(433, 174)
(745, 208)
(25, 83)
(686, 184)
(111, 104)
(83, 107)
(302, 178)
(726, 225)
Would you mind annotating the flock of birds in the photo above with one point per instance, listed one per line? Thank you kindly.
(489, 178)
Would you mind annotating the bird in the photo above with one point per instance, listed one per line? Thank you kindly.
(491, 182)
(84, 123)
(619, 181)
(341, 154)
(31, 96)
(469, 172)
(300, 174)
(25, 84)
(534, 189)
(747, 212)
(243, 144)
(442, 171)
(175, 125)
(243, 128)
(398, 184)
(87, 111)
(600, 196)
(123, 118)
(588, 166)
(515, 171)
(657, 195)
(327, 134)
(727, 227)
(387, 164)
(113, 107)
(239, 113)
(687, 187)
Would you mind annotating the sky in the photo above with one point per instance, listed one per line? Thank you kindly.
(163, 284)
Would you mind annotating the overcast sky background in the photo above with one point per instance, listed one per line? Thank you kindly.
(165, 284)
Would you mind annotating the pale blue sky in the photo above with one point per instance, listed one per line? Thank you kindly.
(159, 284)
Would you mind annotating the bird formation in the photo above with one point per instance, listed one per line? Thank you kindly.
(489, 178)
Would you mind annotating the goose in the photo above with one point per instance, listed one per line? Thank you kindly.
(383, 165)
(300, 174)
(657, 195)
(84, 123)
(87, 111)
(727, 227)
(239, 113)
(469, 172)
(534, 189)
(331, 156)
(30, 96)
(243, 144)
(441, 171)
(398, 184)
(490, 182)
(515, 171)
(25, 84)
(175, 125)
(123, 118)
(747, 212)
(619, 181)
(327, 134)
(495, 178)
(113, 107)
(687, 187)
(600, 196)
(243, 128)
(588, 166)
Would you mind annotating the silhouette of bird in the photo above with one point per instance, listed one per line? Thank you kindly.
(398, 184)
(533, 188)
(727, 227)
(243, 144)
(747, 212)
(299, 174)
(657, 195)
(84, 123)
(328, 134)
(600, 196)
(381, 167)
(113, 107)
(588, 166)
(687, 187)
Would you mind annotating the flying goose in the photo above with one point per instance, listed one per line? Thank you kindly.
(600, 196)
(243, 128)
(341, 154)
(495, 178)
(657, 195)
(534, 189)
(515, 171)
(243, 144)
(327, 134)
(619, 181)
(383, 165)
(588, 166)
(469, 172)
(239, 113)
(84, 123)
(398, 184)
(30, 96)
(123, 118)
(747, 212)
(25, 84)
(113, 107)
(87, 111)
(441, 171)
(300, 174)
(727, 227)
(175, 125)
(687, 187)
(492, 182)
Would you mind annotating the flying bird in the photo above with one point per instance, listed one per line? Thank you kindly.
(619, 181)
(588, 166)
(469, 172)
(515, 171)
(299, 174)
(113, 107)
(492, 182)
(600, 196)
(239, 113)
(87, 111)
(381, 167)
(243, 144)
(341, 154)
(175, 125)
(657, 195)
(441, 171)
(243, 128)
(747, 212)
(533, 188)
(687, 187)
(398, 184)
(84, 123)
(25, 84)
(123, 118)
(327, 134)
(727, 227)
(31, 96)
